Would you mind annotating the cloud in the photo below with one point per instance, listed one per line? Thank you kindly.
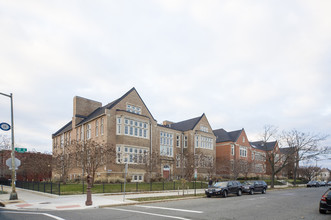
(244, 64)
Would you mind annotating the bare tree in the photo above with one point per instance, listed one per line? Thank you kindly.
(306, 146)
(274, 158)
(4, 145)
(152, 162)
(62, 163)
(310, 172)
(91, 155)
(245, 167)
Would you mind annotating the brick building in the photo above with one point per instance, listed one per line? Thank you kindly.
(235, 156)
(150, 149)
(34, 166)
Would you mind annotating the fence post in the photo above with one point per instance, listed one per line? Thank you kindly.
(136, 186)
(44, 187)
(59, 188)
(121, 187)
(150, 188)
(38, 186)
(174, 185)
(83, 186)
(51, 188)
(103, 187)
(163, 185)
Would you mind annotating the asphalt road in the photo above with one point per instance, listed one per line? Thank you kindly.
(286, 204)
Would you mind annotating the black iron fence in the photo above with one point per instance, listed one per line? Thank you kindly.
(80, 188)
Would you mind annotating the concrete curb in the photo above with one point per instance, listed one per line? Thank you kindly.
(151, 201)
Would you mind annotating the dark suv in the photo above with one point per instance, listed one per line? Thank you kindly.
(254, 186)
(325, 203)
(224, 189)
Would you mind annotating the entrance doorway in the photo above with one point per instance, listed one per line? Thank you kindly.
(166, 171)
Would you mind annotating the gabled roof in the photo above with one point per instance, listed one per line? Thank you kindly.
(224, 136)
(64, 129)
(186, 125)
(99, 111)
(266, 146)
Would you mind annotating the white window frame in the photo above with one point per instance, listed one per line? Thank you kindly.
(88, 131)
(97, 128)
(102, 126)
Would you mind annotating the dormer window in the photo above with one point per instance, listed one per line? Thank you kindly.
(133, 109)
(203, 128)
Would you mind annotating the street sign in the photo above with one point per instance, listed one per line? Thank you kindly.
(17, 163)
(20, 150)
(4, 126)
(195, 173)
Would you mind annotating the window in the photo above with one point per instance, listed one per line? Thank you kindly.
(178, 160)
(243, 151)
(133, 109)
(70, 138)
(119, 125)
(82, 133)
(135, 128)
(96, 128)
(137, 178)
(178, 140)
(232, 149)
(205, 142)
(62, 140)
(196, 141)
(166, 144)
(203, 128)
(101, 126)
(185, 141)
(243, 139)
(88, 131)
(132, 155)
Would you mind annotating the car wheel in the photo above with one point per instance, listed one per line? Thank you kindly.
(239, 192)
(251, 192)
(322, 211)
(225, 194)
(263, 191)
(208, 196)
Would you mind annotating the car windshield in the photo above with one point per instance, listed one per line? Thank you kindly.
(221, 184)
(249, 182)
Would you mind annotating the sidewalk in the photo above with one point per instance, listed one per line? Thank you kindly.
(33, 200)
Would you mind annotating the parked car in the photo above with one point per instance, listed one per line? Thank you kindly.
(329, 183)
(313, 183)
(322, 183)
(255, 186)
(325, 203)
(224, 189)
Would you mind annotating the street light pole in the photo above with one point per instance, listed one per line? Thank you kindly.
(13, 194)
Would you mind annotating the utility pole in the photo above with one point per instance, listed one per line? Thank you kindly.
(13, 194)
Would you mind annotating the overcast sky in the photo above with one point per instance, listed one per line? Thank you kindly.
(244, 64)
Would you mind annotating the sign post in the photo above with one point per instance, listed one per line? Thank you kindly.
(13, 194)
(195, 181)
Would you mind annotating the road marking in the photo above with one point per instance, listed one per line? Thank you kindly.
(147, 213)
(35, 213)
(180, 210)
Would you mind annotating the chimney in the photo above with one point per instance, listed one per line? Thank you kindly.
(167, 123)
(82, 107)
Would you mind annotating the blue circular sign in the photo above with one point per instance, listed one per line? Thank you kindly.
(5, 126)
